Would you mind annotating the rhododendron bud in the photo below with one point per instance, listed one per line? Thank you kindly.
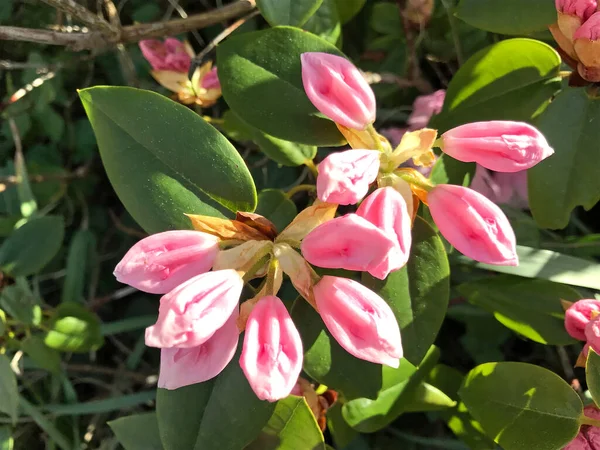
(588, 437)
(473, 224)
(348, 242)
(170, 55)
(184, 366)
(190, 314)
(424, 108)
(592, 334)
(344, 177)
(361, 321)
(211, 80)
(502, 146)
(572, 13)
(159, 263)
(272, 354)
(578, 315)
(338, 89)
(587, 45)
(386, 209)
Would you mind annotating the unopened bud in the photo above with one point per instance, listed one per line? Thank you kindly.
(587, 45)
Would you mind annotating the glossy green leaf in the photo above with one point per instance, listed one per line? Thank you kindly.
(79, 259)
(73, 328)
(325, 22)
(275, 206)
(287, 12)
(282, 152)
(42, 355)
(509, 80)
(568, 178)
(6, 440)
(342, 433)
(531, 308)
(418, 293)
(522, 406)
(204, 415)
(347, 9)
(165, 161)
(516, 17)
(138, 432)
(21, 304)
(291, 427)
(29, 248)
(8, 390)
(592, 374)
(261, 78)
(328, 363)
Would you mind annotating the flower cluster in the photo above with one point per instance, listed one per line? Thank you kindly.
(474, 225)
(577, 31)
(582, 322)
(171, 61)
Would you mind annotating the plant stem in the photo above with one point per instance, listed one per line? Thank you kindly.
(300, 188)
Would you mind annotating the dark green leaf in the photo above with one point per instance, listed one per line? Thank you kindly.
(101, 406)
(291, 427)
(517, 17)
(42, 355)
(2, 323)
(275, 206)
(21, 304)
(287, 12)
(342, 433)
(325, 22)
(347, 9)
(261, 78)
(6, 440)
(32, 246)
(138, 432)
(522, 406)
(569, 177)
(592, 374)
(56, 436)
(81, 251)
(163, 160)
(73, 328)
(8, 390)
(418, 293)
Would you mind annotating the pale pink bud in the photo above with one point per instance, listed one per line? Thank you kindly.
(424, 108)
(190, 314)
(386, 209)
(498, 145)
(162, 261)
(589, 436)
(348, 242)
(579, 315)
(581, 8)
(587, 41)
(211, 80)
(168, 55)
(338, 89)
(592, 334)
(272, 354)
(473, 224)
(185, 366)
(361, 321)
(344, 177)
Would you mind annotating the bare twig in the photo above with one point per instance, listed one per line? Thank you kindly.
(95, 40)
(83, 15)
(125, 61)
(5, 181)
(97, 303)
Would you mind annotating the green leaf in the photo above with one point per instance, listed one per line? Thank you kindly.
(531, 308)
(45, 424)
(548, 265)
(29, 248)
(342, 433)
(21, 304)
(138, 432)
(79, 259)
(282, 152)
(221, 413)
(592, 374)
(261, 78)
(42, 355)
(328, 363)
(522, 406)
(2, 323)
(448, 170)
(569, 177)
(73, 328)
(510, 80)
(6, 440)
(418, 293)
(516, 17)
(325, 22)
(347, 9)
(291, 427)
(101, 406)
(287, 12)
(163, 160)
(8, 390)
(275, 206)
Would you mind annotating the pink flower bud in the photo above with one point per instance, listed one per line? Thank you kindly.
(185, 366)
(161, 262)
(361, 321)
(473, 224)
(348, 242)
(211, 80)
(502, 146)
(578, 316)
(581, 8)
(589, 436)
(172, 55)
(386, 209)
(587, 41)
(190, 314)
(338, 89)
(272, 354)
(344, 177)
(424, 108)
(592, 334)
